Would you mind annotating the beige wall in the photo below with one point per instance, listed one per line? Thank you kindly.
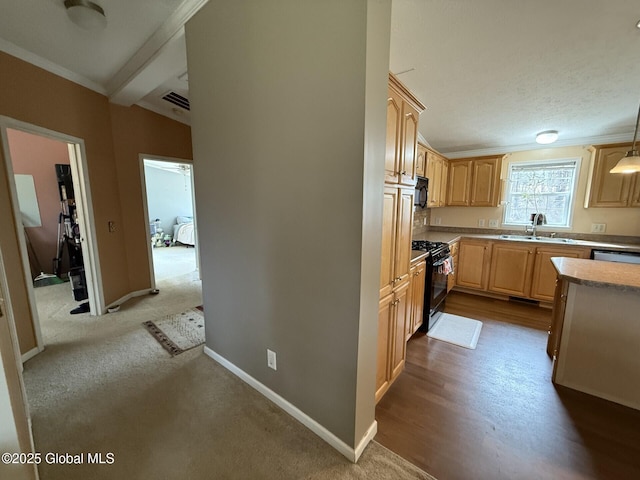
(135, 131)
(287, 120)
(619, 221)
(37, 97)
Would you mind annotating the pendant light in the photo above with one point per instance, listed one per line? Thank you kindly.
(630, 163)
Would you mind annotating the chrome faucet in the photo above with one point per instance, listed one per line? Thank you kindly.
(538, 219)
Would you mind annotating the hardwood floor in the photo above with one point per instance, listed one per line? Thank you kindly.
(493, 413)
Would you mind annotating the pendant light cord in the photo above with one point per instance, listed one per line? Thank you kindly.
(635, 135)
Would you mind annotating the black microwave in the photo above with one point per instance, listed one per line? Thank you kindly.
(422, 189)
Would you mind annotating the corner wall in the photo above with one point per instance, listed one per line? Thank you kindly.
(280, 94)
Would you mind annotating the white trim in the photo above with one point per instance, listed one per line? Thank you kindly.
(350, 453)
(577, 163)
(77, 159)
(597, 140)
(31, 353)
(145, 208)
(128, 296)
(88, 235)
(7, 309)
(20, 232)
(49, 66)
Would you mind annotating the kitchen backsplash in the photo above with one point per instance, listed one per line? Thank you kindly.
(419, 216)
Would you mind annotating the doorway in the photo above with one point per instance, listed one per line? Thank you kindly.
(169, 206)
(52, 211)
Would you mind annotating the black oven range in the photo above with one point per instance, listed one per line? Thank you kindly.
(439, 265)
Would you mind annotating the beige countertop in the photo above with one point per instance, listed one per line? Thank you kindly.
(451, 237)
(619, 276)
(418, 255)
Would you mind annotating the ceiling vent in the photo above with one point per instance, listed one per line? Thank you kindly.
(178, 100)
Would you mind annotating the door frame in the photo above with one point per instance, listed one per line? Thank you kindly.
(84, 208)
(145, 209)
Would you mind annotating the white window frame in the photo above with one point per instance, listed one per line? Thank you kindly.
(542, 163)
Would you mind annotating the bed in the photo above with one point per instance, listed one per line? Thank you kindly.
(183, 231)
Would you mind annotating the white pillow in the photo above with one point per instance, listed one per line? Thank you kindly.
(181, 219)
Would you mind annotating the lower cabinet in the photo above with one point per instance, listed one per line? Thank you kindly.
(557, 317)
(511, 267)
(393, 315)
(417, 276)
(473, 266)
(451, 278)
(544, 275)
(518, 269)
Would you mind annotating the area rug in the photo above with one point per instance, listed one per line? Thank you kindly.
(461, 331)
(178, 332)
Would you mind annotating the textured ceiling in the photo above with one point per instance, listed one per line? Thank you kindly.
(492, 73)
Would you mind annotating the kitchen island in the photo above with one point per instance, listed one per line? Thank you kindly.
(595, 333)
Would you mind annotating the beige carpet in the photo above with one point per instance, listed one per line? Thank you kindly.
(105, 385)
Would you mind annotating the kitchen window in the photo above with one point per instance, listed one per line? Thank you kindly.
(544, 186)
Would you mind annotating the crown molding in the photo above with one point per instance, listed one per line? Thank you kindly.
(572, 142)
(49, 66)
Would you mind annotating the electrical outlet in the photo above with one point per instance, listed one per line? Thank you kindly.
(493, 223)
(437, 221)
(598, 227)
(271, 359)
(481, 222)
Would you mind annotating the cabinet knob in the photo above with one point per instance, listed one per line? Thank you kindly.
(404, 173)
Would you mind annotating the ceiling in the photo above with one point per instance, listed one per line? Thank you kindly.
(492, 73)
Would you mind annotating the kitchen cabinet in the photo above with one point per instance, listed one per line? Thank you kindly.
(474, 182)
(397, 223)
(451, 278)
(436, 172)
(511, 268)
(557, 315)
(544, 275)
(416, 294)
(393, 314)
(474, 262)
(612, 189)
(403, 111)
(421, 161)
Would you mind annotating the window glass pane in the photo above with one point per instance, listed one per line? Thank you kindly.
(540, 187)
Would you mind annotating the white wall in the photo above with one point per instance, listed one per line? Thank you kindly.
(619, 221)
(168, 195)
(285, 95)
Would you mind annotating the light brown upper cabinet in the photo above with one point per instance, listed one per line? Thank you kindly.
(612, 189)
(436, 172)
(403, 112)
(421, 160)
(474, 182)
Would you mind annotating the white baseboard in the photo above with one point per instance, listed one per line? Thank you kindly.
(31, 353)
(128, 296)
(351, 454)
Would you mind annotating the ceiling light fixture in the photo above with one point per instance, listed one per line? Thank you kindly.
(630, 163)
(86, 14)
(546, 137)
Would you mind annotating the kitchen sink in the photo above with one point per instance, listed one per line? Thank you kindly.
(531, 238)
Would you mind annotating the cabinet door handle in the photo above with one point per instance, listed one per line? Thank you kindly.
(404, 173)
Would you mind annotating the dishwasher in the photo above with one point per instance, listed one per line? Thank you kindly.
(616, 256)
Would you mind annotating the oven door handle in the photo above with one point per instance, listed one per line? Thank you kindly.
(440, 262)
